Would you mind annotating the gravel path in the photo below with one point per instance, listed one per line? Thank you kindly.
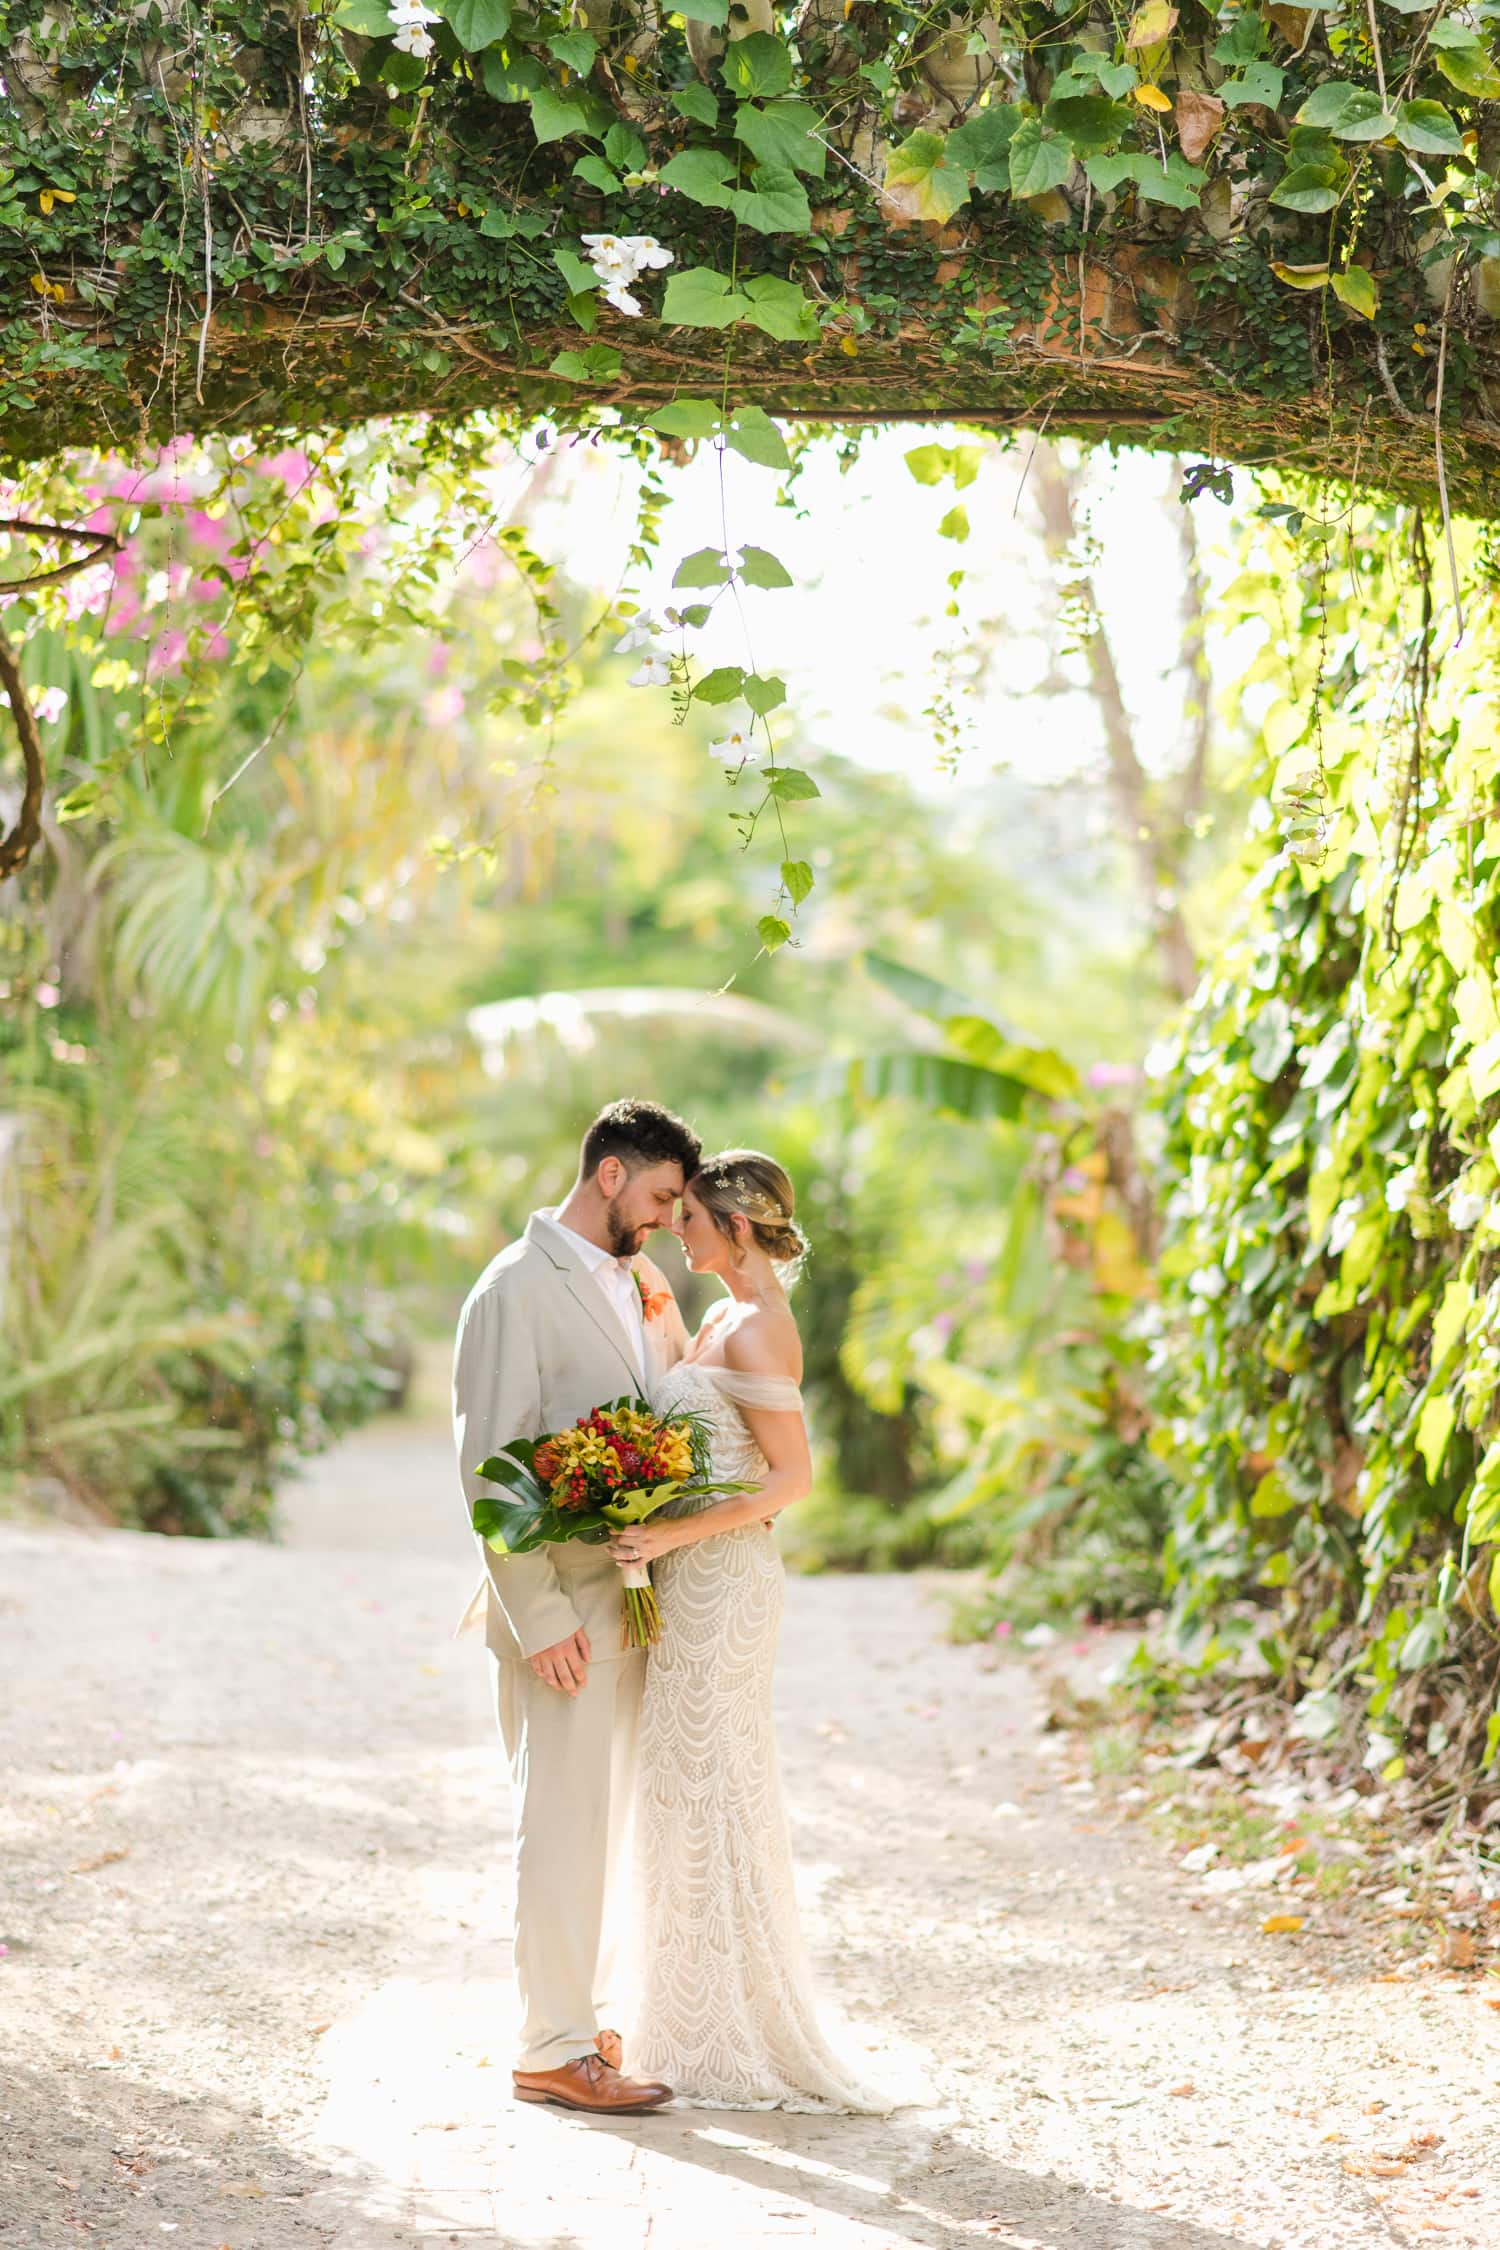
(255, 1993)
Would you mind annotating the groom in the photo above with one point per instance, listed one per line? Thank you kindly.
(555, 1326)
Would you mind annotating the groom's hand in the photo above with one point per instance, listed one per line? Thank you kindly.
(565, 1664)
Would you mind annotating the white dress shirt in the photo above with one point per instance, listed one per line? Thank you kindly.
(617, 1282)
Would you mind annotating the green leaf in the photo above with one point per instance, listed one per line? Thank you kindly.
(553, 117)
(798, 878)
(758, 568)
(1327, 104)
(1427, 129)
(1261, 82)
(1180, 184)
(757, 68)
(1299, 277)
(598, 174)
(701, 175)
(476, 23)
(921, 182)
(791, 786)
(775, 203)
(705, 567)
(720, 686)
(778, 308)
(624, 147)
(980, 1041)
(1308, 187)
(371, 19)
(1088, 122)
(751, 432)
(512, 81)
(940, 1082)
(922, 993)
(685, 418)
(715, 13)
(1449, 32)
(1272, 1496)
(405, 72)
(700, 298)
(1434, 1428)
(783, 135)
(599, 364)
(576, 272)
(1356, 289)
(575, 48)
(1089, 68)
(1272, 1043)
(955, 524)
(772, 931)
(929, 464)
(1472, 72)
(981, 145)
(1038, 161)
(697, 102)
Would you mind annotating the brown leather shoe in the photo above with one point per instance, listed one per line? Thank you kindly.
(589, 2082)
(611, 2048)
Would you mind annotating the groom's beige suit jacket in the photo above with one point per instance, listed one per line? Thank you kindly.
(539, 1344)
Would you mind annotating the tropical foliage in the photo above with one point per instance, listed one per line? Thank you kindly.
(1330, 1382)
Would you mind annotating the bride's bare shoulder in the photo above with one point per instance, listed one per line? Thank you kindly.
(765, 1342)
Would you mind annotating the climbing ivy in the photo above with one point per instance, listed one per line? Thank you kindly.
(1330, 1348)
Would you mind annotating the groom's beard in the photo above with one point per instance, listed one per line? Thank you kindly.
(624, 1241)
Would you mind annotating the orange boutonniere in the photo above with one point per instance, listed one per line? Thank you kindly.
(654, 1302)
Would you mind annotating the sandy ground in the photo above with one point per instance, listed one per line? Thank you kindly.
(255, 1990)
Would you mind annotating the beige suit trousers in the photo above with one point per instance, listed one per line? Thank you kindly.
(572, 1766)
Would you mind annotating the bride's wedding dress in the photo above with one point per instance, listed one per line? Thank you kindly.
(725, 2008)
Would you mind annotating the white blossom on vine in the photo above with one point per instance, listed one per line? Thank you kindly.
(409, 20)
(618, 259)
(654, 670)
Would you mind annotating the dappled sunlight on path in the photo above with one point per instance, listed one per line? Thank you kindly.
(258, 1989)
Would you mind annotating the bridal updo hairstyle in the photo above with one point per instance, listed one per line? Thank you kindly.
(743, 1182)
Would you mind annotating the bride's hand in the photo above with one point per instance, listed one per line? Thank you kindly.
(643, 1542)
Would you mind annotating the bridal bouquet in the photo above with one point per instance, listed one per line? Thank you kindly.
(616, 1466)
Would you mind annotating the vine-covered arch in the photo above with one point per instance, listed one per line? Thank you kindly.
(1265, 234)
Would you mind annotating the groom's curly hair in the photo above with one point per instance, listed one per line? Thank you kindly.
(639, 1133)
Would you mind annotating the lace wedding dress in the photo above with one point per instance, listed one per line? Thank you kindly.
(724, 2007)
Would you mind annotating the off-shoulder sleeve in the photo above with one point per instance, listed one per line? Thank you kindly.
(777, 1394)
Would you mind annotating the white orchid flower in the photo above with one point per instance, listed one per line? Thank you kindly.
(648, 252)
(1465, 1209)
(50, 703)
(413, 39)
(619, 296)
(734, 748)
(653, 671)
(411, 11)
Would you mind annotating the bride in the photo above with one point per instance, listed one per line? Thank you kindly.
(725, 2008)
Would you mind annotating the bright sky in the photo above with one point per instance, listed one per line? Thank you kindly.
(857, 638)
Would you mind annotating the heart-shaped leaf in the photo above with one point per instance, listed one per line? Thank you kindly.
(757, 68)
(760, 568)
(701, 174)
(721, 686)
(476, 23)
(1038, 160)
(706, 567)
(1427, 128)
